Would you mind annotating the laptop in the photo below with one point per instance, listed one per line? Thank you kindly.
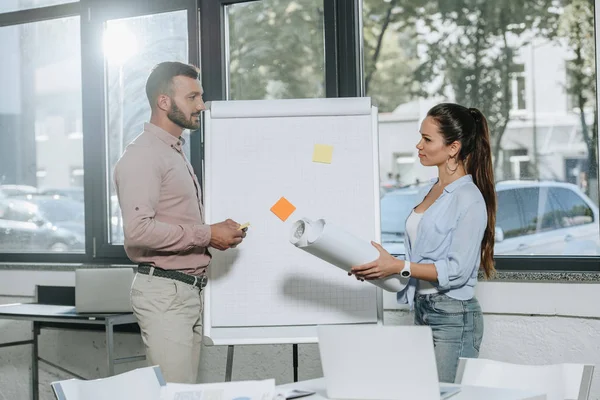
(380, 362)
(103, 290)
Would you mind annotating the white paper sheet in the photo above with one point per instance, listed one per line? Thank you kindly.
(138, 384)
(336, 246)
(246, 390)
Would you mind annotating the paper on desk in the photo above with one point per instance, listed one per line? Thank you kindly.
(246, 390)
(336, 246)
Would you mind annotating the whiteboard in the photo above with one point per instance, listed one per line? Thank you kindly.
(267, 290)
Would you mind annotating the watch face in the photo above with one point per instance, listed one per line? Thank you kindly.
(405, 274)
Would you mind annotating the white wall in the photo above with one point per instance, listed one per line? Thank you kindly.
(533, 323)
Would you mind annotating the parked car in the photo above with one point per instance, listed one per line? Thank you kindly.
(395, 208)
(533, 218)
(17, 190)
(63, 212)
(23, 228)
(75, 193)
(545, 218)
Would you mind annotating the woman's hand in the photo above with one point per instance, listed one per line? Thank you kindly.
(384, 266)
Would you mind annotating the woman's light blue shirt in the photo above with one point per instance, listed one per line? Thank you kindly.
(449, 236)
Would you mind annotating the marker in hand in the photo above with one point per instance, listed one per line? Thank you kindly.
(244, 227)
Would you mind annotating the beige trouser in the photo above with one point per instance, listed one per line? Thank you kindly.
(169, 313)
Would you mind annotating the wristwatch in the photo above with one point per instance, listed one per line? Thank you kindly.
(405, 273)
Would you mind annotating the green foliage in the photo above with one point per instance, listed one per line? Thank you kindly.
(471, 44)
(390, 51)
(576, 26)
(276, 49)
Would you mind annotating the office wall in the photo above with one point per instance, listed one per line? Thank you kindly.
(508, 336)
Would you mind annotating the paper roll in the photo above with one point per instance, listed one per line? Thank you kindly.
(336, 246)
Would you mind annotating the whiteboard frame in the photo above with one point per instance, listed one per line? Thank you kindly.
(288, 334)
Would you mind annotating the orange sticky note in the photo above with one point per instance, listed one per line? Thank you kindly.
(323, 153)
(283, 209)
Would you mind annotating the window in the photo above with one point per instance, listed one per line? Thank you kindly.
(518, 87)
(574, 210)
(41, 81)
(27, 224)
(132, 47)
(16, 5)
(509, 63)
(276, 50)
(395, 208)
(509, 217)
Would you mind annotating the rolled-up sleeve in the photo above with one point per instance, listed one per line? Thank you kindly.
(138, 185)
(465, 248)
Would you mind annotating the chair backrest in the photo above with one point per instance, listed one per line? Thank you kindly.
(557, 381)
(56, 295)
(138, 384)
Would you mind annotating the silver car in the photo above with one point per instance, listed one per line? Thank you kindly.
(533, 218)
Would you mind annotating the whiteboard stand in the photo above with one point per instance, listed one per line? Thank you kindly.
(229, 365)
(266, 291)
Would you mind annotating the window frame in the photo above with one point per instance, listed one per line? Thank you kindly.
(206, 20)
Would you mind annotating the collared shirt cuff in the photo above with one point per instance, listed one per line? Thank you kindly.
(202, 235)
(442, 274)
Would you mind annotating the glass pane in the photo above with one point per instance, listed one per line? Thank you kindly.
(132, 47)
(17, 5)
(276, 50)
(573, 208)
(41, 148)
(508, 218)
(532, 72)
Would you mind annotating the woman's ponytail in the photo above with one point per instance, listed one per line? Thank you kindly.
(479, 165)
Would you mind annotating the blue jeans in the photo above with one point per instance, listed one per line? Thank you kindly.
(457, 328)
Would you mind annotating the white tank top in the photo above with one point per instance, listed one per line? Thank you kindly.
(412, 224)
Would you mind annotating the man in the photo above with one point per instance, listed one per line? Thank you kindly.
(163, 222)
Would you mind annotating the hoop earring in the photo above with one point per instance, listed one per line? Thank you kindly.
(451, 171)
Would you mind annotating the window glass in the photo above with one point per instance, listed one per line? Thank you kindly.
(508, 217)
(17, 5)
(40, 133)
(575, 211)
(276, 49)
(530, 69)
(132, 47)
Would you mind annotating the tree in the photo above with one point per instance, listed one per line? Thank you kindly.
(390, 51)
(577, 28)
(470, 45)
(276, 50)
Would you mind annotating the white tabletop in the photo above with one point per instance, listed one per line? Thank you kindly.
(466, 392)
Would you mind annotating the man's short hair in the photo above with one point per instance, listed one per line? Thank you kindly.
(160, 80)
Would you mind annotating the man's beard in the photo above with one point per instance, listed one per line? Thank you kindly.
(178, 118)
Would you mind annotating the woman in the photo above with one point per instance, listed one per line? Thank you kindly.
(450, 235)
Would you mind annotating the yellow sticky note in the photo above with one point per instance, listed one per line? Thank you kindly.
(283, 209)
(244, 226)
(323, 153)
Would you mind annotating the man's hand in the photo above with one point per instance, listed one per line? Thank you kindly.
(226, 235)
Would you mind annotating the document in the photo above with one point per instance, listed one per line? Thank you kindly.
(244, 390)
(336, 246)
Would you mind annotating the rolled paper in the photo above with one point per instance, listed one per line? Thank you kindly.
(337, 246)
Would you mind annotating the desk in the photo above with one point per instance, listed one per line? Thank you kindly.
(46, 315)
(466, 392)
